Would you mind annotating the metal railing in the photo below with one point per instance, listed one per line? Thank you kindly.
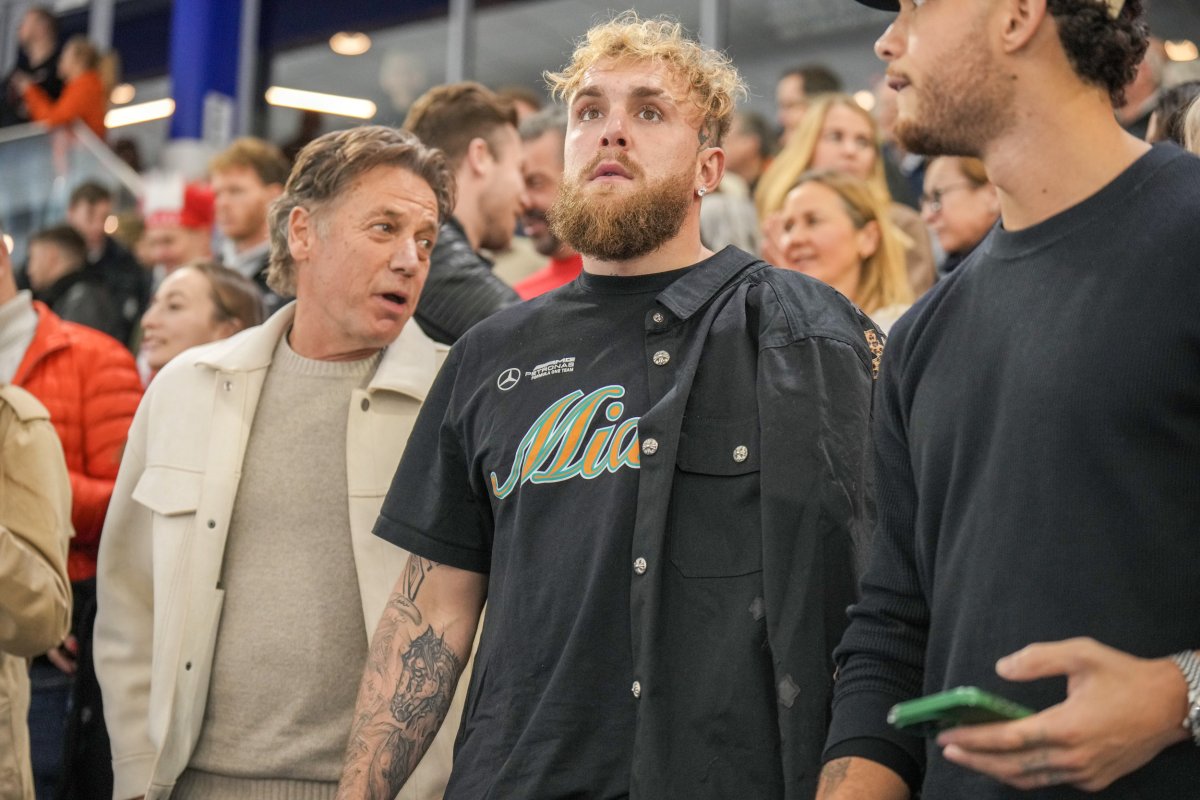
(39, 168)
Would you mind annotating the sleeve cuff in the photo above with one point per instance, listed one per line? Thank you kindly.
(132, 774)
(862, 716)
(420, 543)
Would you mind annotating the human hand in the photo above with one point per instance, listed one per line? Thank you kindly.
(21, 80)
(64, 655)
(1120, 712)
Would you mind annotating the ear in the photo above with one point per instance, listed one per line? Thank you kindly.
(1020, 21)
(301, 232)
(227, 328)
(993, 198)
(866, 239)
(710, 168)
(478, 158)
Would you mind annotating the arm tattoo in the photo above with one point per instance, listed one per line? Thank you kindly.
(405, 694)
(429, 673)
(832, 776)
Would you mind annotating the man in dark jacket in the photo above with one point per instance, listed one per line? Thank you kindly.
(128, 283)
(57, 257)
(37, 59)
(478, 133)
(655, 474)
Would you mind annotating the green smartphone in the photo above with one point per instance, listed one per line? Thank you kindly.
(966, 705)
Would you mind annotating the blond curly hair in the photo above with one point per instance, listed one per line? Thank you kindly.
(714, 84)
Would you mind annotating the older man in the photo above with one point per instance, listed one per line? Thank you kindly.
(654, 474)
(241, 573)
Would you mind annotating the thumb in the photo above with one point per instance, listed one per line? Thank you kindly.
(1046, 659)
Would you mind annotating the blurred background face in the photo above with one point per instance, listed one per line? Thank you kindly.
(846, 143)
(958, 212)
(818, 237)
(790, 103)
(542, 169)
(743, 150)
(181, 315)
(172, 246)
(47, 263)
(503, 200)
(89, 219)
(240, 202)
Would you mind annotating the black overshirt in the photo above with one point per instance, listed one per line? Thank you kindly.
(686, 654)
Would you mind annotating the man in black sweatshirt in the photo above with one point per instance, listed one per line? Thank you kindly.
(1037, 432)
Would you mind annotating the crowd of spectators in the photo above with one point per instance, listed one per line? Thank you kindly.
(253, 251)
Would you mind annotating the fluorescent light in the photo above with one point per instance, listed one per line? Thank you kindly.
(325, 103)
(8, 244)
(122, 94)
(1182, 50)
(142, 112)
(349, 44)
(865, 100)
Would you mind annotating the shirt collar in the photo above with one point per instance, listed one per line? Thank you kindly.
(686, 296)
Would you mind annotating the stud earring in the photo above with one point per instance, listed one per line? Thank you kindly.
(702, 191)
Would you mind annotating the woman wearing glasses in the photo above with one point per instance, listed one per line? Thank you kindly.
(196, 304)
(959, 205)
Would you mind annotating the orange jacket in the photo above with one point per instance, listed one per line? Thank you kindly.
(90, 383)
(83, 98)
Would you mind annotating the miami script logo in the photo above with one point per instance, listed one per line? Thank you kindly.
(554, 447)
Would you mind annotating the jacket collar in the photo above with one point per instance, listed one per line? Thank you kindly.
(690, 293)
(408, 366)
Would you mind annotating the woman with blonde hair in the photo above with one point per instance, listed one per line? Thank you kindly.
(833, 227)
(837, 134)
(1191, 128)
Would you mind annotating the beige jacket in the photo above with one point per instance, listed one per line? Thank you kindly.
(35, 595)
(164, 541)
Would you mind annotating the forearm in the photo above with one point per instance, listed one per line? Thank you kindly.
(417, 655)
(859, 779)
(36, 612)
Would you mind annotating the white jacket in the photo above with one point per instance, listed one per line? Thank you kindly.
(164, 541)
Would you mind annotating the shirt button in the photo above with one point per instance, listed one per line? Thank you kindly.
(639, 566)
(658, 317)
(740, 453)
(229, 386)
(637, 689)
(661, 358)
(650, 446)
(366, 404)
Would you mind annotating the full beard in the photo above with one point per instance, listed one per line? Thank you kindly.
(961, 112)
(608, 227)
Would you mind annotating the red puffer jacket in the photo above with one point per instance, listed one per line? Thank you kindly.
(90, 384)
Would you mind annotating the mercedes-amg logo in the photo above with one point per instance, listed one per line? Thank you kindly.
(508, 379)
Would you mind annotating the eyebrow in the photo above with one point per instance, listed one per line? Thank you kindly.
(638, 91)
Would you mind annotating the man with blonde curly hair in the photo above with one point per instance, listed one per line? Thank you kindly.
(653, 474)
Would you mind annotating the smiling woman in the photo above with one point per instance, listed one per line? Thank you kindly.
(196, 304)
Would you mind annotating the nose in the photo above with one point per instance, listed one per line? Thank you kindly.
(613, 134)
(888, 46)
(406, 258)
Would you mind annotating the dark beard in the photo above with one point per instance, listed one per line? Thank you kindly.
(968, 107)
(620, 229)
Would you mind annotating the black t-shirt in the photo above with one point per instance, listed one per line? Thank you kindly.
(1038, 449)
(524, 464)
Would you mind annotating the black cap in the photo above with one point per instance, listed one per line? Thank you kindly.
(882, 5)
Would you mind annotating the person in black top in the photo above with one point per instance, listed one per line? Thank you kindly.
(477, 131)
(128, 283)
(58, 278)
(1037, 432)
(37, 59)
(655, 475)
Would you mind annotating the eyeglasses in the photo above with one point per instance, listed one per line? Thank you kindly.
(932, 201)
